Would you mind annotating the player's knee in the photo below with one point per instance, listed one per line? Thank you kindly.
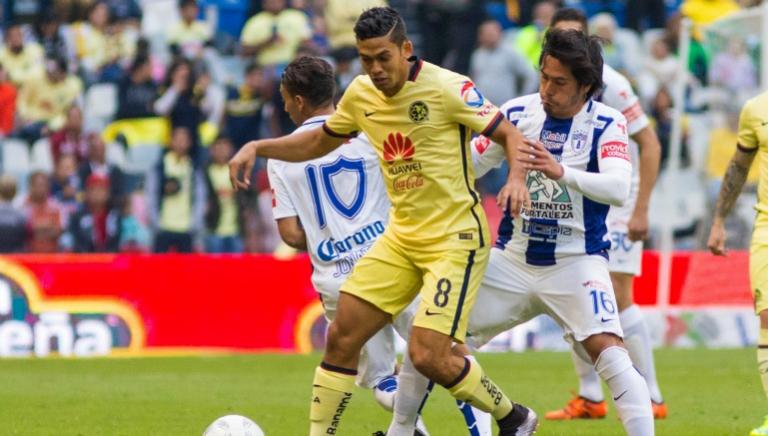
(764, 319)
(424, 360)
(595, 344)
(340, 342)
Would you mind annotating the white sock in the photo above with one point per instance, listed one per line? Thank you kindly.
(630, 393)
(638, 343)
(589, 382)
(413, 390)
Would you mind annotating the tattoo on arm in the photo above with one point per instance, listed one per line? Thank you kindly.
(733, 181)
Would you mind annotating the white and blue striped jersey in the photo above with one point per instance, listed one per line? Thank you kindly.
(341, 202)
(562, 220)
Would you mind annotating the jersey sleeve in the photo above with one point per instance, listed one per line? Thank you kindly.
(619, 95)
(342, 123)
(466, 105)
(747, 126)
(282, 205)
(486, 155)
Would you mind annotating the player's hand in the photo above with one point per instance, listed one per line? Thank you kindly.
(716, 241)
(513, 197)
(638, 226)
(241, 165)
(535, 157)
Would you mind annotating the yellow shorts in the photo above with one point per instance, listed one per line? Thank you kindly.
(758, 263)
(390, 276)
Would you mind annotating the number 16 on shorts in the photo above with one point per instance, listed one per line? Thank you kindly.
(603, 304)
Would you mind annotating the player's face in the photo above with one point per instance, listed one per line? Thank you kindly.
(385, 62)
(291, 107)
(561, 94)
(569, 25)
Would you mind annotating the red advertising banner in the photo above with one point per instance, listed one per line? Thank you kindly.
(85, 305)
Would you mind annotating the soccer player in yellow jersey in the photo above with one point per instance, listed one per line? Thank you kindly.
(419, 118)
(752, 141)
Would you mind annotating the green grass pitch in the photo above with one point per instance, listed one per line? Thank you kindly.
(709, 392)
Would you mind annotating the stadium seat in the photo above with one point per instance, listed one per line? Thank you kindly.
(41, 157)
(142, 158)
(16, 161)
(100, 105)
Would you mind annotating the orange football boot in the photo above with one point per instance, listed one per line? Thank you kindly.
(579, 408)
(659, 410)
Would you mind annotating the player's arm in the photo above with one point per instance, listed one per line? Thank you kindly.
(298, 147)
(486, 155)
(730, 189)
(514, 195)
(292, 233)
(650, 156)
(735, 176)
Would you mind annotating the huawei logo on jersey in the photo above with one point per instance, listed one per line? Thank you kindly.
(398, 147)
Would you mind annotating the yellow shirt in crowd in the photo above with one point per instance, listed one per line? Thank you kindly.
(340, 19)
(176, 209)
(219, 175)
(42, 100)
(292, 27)
(26, 64)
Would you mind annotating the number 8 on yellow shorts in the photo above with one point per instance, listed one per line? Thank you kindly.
(390, 276)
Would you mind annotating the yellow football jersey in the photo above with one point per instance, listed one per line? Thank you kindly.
(422, 135)
(753, 134)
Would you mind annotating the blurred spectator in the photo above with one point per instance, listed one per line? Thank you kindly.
(274, 34)
(187, 101)
(499, 71)
(223, 218)
(659, 69)
(347, 67)
(90, 40)
(44, 222)
(661, 111)
(7, 103)
(703, 12)
(137, 91)
(134, 237)
(189, 34)
(21, 60)
(340, 19)
(529, 38)
(176, 196)
(645, 14)
(97, 164)
(733, 69)
(449, 31)
(95, 227)
(13, 223)
(604, 26)
(127, 11)
(243, 109)
(43, 101)
(49, 35)
(65, 186)
(70, 139)
(698, 59)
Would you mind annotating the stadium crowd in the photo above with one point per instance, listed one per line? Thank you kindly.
(118, 117)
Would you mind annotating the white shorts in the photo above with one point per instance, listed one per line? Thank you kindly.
(378, 356)
(576, 292)
(625, 256)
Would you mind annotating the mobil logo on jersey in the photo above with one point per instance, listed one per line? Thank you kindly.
(332, 248)
(553, 140)
(403, 170)
(471, 95)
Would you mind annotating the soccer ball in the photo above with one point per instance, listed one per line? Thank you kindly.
(233, 425)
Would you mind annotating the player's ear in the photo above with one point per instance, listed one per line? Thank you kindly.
(407, 48)
(299, 102)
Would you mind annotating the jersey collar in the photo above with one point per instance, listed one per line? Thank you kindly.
(315, 120)
(415, 68)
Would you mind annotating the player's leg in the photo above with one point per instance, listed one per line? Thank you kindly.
(758, 272)
(637, 339)
(589, 315)
(355, 322)
(376, 369)
(450, 289)
(479, 423)
(381, 285)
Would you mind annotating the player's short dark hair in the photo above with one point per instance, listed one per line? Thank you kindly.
(581, 53)
(185, 3)
(570, 14)
(378, 22)
(312, 78)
